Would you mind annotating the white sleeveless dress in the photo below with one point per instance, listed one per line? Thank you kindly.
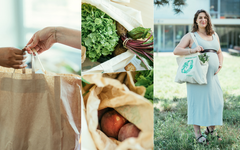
(205, 102)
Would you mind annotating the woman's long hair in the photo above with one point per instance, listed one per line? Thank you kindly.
(209, 29)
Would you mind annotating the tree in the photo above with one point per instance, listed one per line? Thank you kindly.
(177, 4)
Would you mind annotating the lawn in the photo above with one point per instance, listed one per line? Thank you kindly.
(170, 107)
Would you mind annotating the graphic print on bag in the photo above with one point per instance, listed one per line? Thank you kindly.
(187, 66)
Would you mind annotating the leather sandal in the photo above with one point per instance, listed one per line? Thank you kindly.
(212, 133)
(204, 142)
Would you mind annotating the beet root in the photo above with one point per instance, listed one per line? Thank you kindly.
(127, 131)
(102, 111)
(111, 123)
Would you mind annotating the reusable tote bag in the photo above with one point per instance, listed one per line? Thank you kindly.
(39, 111)
(191, 69)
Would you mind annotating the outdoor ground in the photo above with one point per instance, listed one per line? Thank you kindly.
(171, 131)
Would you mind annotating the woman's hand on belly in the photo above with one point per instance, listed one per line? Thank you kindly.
(219, 68)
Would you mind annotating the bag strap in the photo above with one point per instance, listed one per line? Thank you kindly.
(33, 64)
(194, 39)
(23, 70)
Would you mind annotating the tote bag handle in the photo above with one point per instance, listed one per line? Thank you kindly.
(194, 39)
(33, 63)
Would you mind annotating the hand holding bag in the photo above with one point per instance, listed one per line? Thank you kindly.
(39, 110)
(191, 69)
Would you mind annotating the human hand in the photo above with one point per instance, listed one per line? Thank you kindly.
(198, 49)
(219, 68)
(42, 40)
(12, 58)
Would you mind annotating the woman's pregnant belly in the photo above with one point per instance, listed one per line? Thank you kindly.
(213, 63)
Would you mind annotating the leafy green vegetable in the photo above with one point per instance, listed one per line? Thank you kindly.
(85, 81)
(151, 38)
(149, 92)
(203, 57)
(102, 59)
(145, 78)
(140, 42)
(148, 61)
(139, 32)
(99, 34)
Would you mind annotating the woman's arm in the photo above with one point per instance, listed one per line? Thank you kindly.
(181, 48)
(44, 39)
(220, 56)
(68, 37)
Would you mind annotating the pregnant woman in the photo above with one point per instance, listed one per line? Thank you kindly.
(205, 102)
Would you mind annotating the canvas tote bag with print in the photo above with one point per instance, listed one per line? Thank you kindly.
(191, 69)
(39, 111)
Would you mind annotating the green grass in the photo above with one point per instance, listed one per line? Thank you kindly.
(170, 107)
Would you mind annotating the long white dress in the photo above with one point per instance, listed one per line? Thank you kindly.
(205, 102)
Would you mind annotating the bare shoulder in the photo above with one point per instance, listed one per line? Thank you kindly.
(185, 41)
(190, 39)
(186, 37)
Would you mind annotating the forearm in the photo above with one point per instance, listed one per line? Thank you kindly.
(220, 58)
(68, 37)
(183, 51)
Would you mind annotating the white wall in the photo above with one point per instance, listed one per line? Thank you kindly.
(189, 10)
(8, 24)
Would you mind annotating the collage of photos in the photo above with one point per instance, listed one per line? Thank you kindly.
(120, 75)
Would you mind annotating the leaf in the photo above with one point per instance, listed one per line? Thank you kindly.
(98, 21)
(145, 78)
(146, 60)
(203, 57)
(142, 81)
(177, 4)
(149, 92)
(139, 32)
(85, 81)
